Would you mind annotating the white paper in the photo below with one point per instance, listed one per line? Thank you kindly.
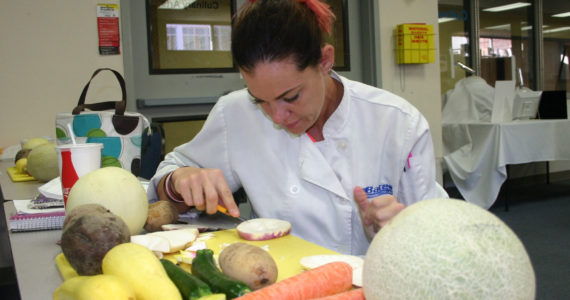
(52, 189)
(503, 101)
(22, 208)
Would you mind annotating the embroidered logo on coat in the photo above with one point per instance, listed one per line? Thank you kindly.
(383, 189)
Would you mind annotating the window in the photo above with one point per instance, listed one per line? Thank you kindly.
(453, 42)
(194, 37)
(506, 43)
(507, 46)
(556, 44)
(189, 37)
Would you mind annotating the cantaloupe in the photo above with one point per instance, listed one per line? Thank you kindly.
(116, 189)
(447, 249)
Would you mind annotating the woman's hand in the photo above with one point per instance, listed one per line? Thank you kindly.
(376, 212)
(204, 189)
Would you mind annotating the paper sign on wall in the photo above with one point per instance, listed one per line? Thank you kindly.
(108, 29)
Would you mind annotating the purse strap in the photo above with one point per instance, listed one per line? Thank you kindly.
(119, 106)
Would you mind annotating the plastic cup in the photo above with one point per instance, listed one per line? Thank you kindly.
(76, 160)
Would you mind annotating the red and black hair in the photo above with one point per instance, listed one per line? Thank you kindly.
(272, 30)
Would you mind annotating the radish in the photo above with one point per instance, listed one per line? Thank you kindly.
(263, 229)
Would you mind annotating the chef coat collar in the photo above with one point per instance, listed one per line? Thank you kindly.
(339, 117)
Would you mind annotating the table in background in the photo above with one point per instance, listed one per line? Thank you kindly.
(476, 154)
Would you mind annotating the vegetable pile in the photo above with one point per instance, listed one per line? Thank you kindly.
(109, 257)
(176, 264)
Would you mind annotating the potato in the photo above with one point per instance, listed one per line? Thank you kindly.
(88, 237)
(248, 263)
(160, 213)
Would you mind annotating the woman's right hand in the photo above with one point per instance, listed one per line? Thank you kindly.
(204, 189)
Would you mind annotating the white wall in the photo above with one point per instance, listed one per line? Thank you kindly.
(419, 84)
(48, 51)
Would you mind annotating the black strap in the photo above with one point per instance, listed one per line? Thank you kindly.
(118, 106)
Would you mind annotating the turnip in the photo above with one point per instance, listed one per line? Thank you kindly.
(116, 189)
(261, 229)
(178, 239)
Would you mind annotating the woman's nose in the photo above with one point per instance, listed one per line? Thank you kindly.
(279, 113)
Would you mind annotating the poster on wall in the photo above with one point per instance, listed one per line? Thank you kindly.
(108, 29)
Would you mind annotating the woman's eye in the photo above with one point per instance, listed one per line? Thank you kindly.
(255, 100)
(291, 99)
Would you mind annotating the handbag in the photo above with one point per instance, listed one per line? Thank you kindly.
(120, 132)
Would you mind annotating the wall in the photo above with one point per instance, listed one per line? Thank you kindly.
(419, 84)
(48, 52)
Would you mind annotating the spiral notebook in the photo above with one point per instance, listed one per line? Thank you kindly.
(34, 219)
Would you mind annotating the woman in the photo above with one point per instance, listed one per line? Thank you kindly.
(336, 158)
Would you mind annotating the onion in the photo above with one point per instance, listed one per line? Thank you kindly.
(263, 229)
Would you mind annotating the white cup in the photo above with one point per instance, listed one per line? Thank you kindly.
(76, 160)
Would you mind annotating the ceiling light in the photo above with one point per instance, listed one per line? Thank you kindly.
(500, 27)
(445, 19)
(562, 15)
(525, 28)
(507, 7)
(556, 29)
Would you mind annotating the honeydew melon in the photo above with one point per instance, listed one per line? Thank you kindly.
(447, 249)
(34, 142)
(116, 189)
(42, 162)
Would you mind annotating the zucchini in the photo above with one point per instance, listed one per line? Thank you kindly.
(204, 267)
(189, 285)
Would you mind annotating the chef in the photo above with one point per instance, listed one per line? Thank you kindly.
(335, 157)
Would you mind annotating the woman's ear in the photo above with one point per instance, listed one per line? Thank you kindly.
(327, 58)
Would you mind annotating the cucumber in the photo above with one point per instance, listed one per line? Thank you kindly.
(189, 285)
(204, 267)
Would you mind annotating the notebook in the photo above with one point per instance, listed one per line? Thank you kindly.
(35, 219)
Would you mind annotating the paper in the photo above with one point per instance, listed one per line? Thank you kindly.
(22, 207)
(52, 189)
(503, 101)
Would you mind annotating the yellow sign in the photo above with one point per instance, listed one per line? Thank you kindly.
(415, 44)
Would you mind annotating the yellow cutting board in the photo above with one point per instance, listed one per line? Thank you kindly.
(17, 176)
(287, 252)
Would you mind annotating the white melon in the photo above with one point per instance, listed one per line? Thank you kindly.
(447, 249)
(116, 189)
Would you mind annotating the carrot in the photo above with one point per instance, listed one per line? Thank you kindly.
(325, 280)
(356, 294)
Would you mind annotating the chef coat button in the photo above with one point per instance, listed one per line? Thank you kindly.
(342, 145)
(294, 189)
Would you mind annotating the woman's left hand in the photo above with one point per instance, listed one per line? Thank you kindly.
(376, 212)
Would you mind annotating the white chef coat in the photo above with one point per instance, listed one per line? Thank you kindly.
(374, 139)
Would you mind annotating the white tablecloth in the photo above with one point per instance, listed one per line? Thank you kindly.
(476, 154)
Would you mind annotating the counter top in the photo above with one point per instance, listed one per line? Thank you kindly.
(34, 252)
(16, 191)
